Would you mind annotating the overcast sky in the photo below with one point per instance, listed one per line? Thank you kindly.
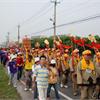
(34, 16)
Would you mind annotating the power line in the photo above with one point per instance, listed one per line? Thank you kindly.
(45, 7)
(73, 22)
(81, 4)
(34, 23)
(81, 20)
(44, 11)
(73, 7)
(38, 14)
(41, 12)
(41, 15)
(80, 7)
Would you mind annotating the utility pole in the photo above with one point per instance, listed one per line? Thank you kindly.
(8, 37)
(7, 42)
(18, 34)
(55, 18)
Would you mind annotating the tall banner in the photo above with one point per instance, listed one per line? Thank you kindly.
(26, 43)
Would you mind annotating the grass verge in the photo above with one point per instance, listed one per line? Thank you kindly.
(7, 92)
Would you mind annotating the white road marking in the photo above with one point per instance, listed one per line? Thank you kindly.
(65, 96)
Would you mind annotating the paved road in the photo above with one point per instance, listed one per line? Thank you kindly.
(65, 93)
(24, 95)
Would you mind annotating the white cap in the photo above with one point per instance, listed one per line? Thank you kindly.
(46, 41)
(13, 57)
(37, 59)
(53, 61)
(19, 53)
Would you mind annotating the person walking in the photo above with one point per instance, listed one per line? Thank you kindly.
(53, 79)
(41, 75)
(86, 76)
(97, 65)
(13, 72)
(28, 71)
(34, 84)
(73, 69)
(20, 63)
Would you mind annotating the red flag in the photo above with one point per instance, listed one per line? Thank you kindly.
(96, 45)
(89, 45)
(79, 42)
(58, 44)
(66, 47)
(61, 46)
(93, 45)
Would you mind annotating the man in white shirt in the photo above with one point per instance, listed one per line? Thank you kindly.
(36, 65)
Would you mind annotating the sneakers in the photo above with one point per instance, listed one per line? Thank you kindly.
(9, 83)
(75, 93)
(63, 86)
(66, 86)
(15, 86)
(30, 89)
(26, 89)
(35, 99)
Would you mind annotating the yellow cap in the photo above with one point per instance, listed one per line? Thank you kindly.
(86, 52)
(65, 55)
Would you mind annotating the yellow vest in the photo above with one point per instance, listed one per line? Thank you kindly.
(28, 65)
(66, 64)
(97, 60)
(85, 66)
(53, 76)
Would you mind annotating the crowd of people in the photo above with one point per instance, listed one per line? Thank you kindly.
(42, 69)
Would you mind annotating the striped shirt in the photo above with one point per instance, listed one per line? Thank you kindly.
(41, 77)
